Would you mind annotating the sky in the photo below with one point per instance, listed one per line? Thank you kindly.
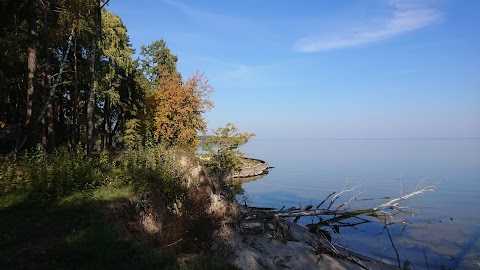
(325, 69)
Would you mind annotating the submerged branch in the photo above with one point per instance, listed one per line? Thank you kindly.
(393, 203)
(336, 215)
(382, 212)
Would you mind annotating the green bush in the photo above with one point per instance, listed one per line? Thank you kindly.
(152, 172)
(9, 178)
(223, 153)
(48, 177)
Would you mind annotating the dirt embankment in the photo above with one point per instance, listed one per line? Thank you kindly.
(212, 220)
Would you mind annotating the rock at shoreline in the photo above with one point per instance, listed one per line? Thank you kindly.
(260, 168)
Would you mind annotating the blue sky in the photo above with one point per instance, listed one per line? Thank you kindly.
(326, 69)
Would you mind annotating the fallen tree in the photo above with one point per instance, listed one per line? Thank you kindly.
(332, 215)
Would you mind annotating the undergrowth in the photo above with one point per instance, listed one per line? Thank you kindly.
(54, 211)
(45, 178)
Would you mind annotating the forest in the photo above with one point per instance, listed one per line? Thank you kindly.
(97, 149)
(68, 78)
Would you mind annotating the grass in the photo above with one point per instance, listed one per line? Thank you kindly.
(70, 233)
(74, 233)
(59, 211)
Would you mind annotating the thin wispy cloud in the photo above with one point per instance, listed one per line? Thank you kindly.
(210, 18)
(246, 75)
(188, 9)
(406, 16)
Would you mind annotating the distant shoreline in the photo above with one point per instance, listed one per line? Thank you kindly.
(370, 139)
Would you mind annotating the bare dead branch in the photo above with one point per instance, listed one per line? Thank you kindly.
(326, 199)
(393, 203)
(340, 193)
(332, 218)
(349, 200)
(174, 243)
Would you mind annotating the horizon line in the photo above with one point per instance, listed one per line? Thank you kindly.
(376, 139)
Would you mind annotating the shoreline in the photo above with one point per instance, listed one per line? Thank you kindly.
(258, 247)
(252, 171)
(263, 245)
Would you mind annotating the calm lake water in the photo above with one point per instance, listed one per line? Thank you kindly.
(445, 227)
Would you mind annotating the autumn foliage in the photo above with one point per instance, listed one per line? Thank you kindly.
(176, 108)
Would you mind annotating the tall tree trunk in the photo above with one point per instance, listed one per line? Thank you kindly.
(45, 118)
(47, 84)
(31, 65)
(107, 123)
(76, 99)
(93, 64)
(90, 105)
(44, 130)
(59, 115)
(58, 79)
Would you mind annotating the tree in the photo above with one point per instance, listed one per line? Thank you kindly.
(77, 79)
(115, 67)
(154, 59)
(224, 157)
(94, 55)
(14, 42)
(174, 109)
(32, 61)
(178, 109)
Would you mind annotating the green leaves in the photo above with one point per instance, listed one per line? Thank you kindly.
(155, 58)
(222, 148)
(48, 177)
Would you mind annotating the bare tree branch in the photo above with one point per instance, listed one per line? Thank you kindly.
(393, 203)
(334, 217)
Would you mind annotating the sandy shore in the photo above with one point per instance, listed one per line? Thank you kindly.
(258, 246)
(262, 250)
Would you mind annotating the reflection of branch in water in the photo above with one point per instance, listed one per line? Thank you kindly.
(393, 245)
(338, 195)
(326, 247)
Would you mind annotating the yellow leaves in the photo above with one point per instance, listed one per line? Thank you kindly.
(177, 108)
(198, 84)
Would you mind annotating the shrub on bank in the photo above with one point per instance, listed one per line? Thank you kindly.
(47, 177)
(152, 172)
(159, 191)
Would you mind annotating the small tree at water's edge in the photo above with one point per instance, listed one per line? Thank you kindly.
(223, 155)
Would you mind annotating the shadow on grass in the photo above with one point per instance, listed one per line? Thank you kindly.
(72, 233)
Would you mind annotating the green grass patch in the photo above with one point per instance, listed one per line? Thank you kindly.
(71, 233)
(11, 199)
(54, 210)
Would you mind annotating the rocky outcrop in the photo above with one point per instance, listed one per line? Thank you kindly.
(259, 169)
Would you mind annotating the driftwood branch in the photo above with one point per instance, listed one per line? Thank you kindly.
(386, 210)
(395, 202)
(334, 215)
